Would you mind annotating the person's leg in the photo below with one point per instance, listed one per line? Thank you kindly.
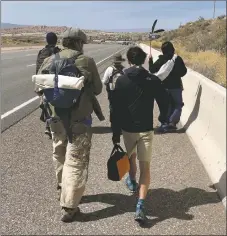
(171, 105)
(164, 126)
(144, 180)
(75, 171)
(59, 150)
(130, 145)
(131, 178)
(133, 167)
(144, 157)
(174, 118)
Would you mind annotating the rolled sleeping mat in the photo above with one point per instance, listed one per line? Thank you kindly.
(66, 82)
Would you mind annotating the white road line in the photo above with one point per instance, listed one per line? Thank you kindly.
(18, 107)
(34, 54)
(109, 56)
(35, 98)
(31, 65)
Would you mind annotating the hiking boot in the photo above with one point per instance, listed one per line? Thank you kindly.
(68, 214)
(131, 184)
(48, 133)
(171, 127)
(140, 215)
(163, 128)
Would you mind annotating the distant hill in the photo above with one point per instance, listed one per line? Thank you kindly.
(141, 30)
(10, 26)
(136, 30)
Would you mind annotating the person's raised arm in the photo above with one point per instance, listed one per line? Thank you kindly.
(154, 66)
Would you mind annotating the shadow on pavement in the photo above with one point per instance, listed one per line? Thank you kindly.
(161, 203)
(194, 114)
(101, 130)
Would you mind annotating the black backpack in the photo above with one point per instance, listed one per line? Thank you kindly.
(112, 81)
(63, 100)
(44, 53)
(61, 97)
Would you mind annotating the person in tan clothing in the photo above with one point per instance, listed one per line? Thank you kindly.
(71, 159)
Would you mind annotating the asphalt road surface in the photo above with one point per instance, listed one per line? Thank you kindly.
(180, 201)
(18, 67)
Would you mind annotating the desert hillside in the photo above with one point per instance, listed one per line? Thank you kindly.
(202, 44)
(38, 29)
(35, 35)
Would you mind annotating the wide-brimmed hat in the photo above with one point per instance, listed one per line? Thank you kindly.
(117, 58)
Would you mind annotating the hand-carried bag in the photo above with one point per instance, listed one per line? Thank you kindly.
(118, 164)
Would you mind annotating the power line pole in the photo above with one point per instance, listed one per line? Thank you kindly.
(214, 8)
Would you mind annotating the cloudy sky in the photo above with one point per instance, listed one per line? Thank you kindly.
(108, 14)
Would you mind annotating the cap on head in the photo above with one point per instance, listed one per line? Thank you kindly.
(117, 58)
(51, 38)
(76, 34)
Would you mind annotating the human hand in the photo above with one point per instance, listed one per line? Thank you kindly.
(150, 58)
(116, 139)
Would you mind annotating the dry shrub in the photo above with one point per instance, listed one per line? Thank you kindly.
(209, 63)
(21, 41)
(214, 38)
(156, 44)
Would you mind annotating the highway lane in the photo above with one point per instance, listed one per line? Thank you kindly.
(179, 202)
(18, 67)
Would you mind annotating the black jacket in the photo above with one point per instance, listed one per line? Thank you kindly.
(133, 101)
(173, 81)
(44, 53)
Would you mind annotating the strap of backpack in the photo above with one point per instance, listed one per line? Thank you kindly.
(57, 69)
(115, 71)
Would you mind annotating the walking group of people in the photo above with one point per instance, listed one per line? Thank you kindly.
(131, 94)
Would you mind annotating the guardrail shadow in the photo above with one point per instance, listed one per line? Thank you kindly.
(161, 203)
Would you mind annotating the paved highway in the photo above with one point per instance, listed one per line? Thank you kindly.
(18, 67)
(180, 201)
